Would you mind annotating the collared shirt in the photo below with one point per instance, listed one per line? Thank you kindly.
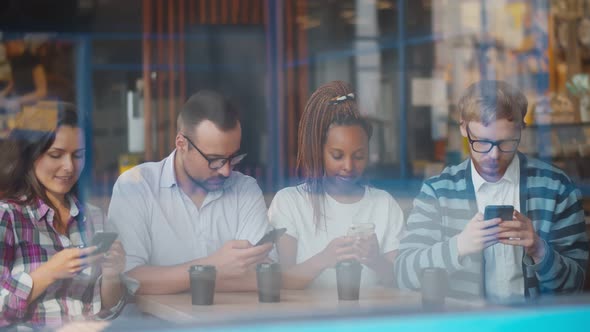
(28, 239)
(445, 205)
(503, 263)
(159, 224)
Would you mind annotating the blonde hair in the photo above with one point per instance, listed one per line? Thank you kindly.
(488, 101)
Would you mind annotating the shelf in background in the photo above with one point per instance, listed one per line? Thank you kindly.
(557, 125)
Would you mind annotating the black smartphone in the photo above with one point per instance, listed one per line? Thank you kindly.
(503, 212)
(272, 236)
(103, 241)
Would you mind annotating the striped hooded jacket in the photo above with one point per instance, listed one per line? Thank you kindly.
(446, 203)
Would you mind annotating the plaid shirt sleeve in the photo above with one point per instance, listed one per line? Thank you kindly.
(14, 289)
(96, 220)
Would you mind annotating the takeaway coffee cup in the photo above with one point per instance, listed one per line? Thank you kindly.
(348, 279)
(202, 279)
(434, 287)
(268, 278)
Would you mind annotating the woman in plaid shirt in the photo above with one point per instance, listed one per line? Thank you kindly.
(46, 278)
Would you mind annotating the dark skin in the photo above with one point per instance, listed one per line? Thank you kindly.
(345, 158)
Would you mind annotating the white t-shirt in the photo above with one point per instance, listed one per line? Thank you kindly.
(292, 209)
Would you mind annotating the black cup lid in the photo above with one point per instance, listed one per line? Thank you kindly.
(268, 266)
(202, 268)
(347, 263)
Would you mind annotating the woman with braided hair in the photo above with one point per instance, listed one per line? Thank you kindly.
(333, 150)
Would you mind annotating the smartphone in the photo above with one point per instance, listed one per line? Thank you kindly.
(272, 236)
(103, 241)
(362, 230)
(503, 212)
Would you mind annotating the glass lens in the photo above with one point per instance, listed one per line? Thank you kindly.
(481, 146)
(237, 159)
(508, 146)
(217, 163)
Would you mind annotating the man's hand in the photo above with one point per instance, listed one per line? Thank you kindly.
(478, 235)
(520, 232)
(238, 256)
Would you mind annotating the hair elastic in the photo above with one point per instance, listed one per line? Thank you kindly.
(340, 99)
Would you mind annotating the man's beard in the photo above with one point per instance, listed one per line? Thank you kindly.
(211, 184)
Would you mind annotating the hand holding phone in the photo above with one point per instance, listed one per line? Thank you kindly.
(103, 241)
(272, 236)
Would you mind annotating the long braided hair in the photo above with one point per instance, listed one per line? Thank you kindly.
(331, 104)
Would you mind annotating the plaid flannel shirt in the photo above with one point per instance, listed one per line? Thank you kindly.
(27, 240)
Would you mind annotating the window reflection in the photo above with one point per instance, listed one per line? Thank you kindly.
(396, 156)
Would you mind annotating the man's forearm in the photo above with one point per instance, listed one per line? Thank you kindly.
(245, 283)
(162, 279)
(175, 279)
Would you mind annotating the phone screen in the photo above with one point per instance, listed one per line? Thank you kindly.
(272, 236)
(103, 241)
(503, 212)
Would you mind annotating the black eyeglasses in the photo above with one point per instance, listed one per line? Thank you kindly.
(217, 163)
(485, 146)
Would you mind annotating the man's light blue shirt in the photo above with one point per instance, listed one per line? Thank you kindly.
(158, 223)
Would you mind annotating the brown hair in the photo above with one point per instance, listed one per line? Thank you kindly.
(331, 104)
(208, 105)
(20, 151)
(487, 101)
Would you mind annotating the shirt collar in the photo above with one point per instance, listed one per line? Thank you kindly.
(168, 178)
(74, 208)
(42, 208)
(511, 175)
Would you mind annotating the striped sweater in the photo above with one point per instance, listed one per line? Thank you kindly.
(446, 203)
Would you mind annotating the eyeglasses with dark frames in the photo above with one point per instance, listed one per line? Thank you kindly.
(485, 145)
(217, 163)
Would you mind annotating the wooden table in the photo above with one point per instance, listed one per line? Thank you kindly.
(245, 306)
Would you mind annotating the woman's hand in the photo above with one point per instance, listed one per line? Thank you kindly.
(113, 263)
(367, 249)
(67, 263)
(339, 249)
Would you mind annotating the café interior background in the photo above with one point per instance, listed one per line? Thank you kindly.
(131, 64)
